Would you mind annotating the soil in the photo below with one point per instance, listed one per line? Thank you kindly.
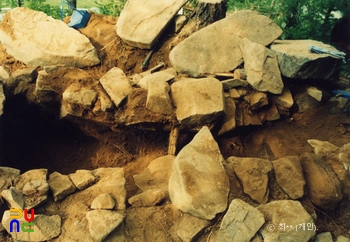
(33, 137)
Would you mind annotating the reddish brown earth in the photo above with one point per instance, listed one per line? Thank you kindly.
(32, 137)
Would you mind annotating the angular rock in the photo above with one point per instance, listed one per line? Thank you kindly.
(147, 20)
(216, 48)
(198, 101)
(60, 185)
(285, 220)
(297, 61)
(229, 120)
(191, 227)
(102, 223)
(82, 179)
(315, 93)
(285, 100)
(45, 227)
(116, 84)
(240, 223)
(13, 197)
(289, 176)
(305, 102)
(261, 66)
(103, 103)
(103, 201)
(323, 187)
(160, 76)
(342, 238)
(39, 40)
(257, 99)
(9, 174)
(322, 148)
(270, 114)
(4, 75)
(198, 183)
(324, 237)
(2, 100)
(28, 75)
(158, 99)
(234, 93)
(44, 93)
(148, 198)
(156, 175)
(231, 83)
(253, 173)
(180, 21)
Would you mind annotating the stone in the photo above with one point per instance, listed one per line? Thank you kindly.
(9, 174)
(44, 92)
(147, 20)
(2, 100)
(45, 227)
(342, 238)
(297, 61)
(305, 102)
(13, 197)
(323, 187)
(148, 198)
(103, 201)
(261, 67)
(270, 114)
(324, 237)
(60, 185)
(229, 120)
(102, 223)
(4, 74)
(253, 174)
(116, 84)
(289, 176)
(39, 40)
(158, 99)
(28, 74)
(191, 227)
(285, 100)
(240, 223)
(322, 148)
(160, 76)
(257, 99)
(216, 48)
(198, 101)
(315, 93)
(234, 93)
(180, 21)
(156, 175)
(286, 220)
(103, 103)
(198, 183)
(231, 83)
(82, 179)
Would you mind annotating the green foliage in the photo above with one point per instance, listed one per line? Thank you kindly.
(41, 5)
(113, 7)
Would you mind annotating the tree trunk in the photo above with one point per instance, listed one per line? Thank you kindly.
(19, 3)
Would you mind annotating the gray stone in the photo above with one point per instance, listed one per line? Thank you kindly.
(36, 186)
(103, 103)
(216, 48)
(289, 176)
(60, 185)
(9, 174)
(234, 93)
(315, 93)
(198, 101)
(103, 201)
(44, 227)
(116, 84)
(285, 100)
(231, 83)
(102, 223)
(270, 114)
(190, 227)
(160, 76)
(240, 223)
(198, 183)
(156, 175)
(229, 120)
(13, 197)
(158, 99)
(253, 173)
(2, 100)
(323, 187)
(44, 92)
(82, 179)
(297, 61)
(39, 40)
(322, 148)
(257, 99)
(148, 198)
(147, 20)
(342, 238)
(286, 220)
(261, 67)
(180, 21)
(324, 237)
(28, 74)
(305, 102)
(4, 75)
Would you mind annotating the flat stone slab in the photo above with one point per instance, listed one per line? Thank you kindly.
(297, 61)
(142, 22)
(39, 40)
(216, 48)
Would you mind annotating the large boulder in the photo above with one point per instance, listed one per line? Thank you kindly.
(198, 183)
(198, 101)
(216, 48)
(141, 22)
(297, 61)
(39, 40)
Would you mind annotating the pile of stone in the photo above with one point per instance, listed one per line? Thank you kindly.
(197, 186)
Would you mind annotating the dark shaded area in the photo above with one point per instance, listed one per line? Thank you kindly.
(30, 138)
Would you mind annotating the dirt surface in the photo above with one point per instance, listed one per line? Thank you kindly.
(33, 137)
